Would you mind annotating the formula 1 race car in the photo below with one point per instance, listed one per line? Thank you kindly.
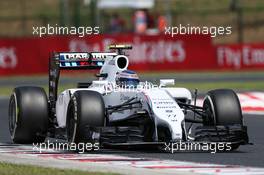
(118, 109)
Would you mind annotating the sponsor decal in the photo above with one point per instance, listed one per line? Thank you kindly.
(74, 56)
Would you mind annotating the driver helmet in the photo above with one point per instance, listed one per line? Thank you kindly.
(127, 78)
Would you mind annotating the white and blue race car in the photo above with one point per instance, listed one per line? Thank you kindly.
(118, 109)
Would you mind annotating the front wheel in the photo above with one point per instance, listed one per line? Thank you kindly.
(222, 107)
(86, 112)
(223, 121)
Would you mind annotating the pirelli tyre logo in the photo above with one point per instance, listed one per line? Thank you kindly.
(8, 58)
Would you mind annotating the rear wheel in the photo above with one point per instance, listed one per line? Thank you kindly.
(28, 115)
(86, 112)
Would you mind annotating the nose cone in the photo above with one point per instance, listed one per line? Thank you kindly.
(166, 112)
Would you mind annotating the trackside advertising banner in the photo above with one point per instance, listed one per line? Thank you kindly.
(240, 56)
(23, 56)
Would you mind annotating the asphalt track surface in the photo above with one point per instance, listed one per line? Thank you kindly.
(248, 155)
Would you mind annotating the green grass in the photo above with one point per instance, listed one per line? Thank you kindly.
(80, 74)
(6, 89)
(202, 73)
(204, 86)
(13, 169)
(245, 86)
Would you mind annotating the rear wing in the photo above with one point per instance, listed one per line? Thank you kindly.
(80, 60)
(72, 61)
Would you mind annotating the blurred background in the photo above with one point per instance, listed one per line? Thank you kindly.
(245, 16)
(226, 61)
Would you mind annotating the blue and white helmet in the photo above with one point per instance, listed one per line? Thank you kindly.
(127, 78)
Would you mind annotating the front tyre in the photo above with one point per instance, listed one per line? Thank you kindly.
(224, 120)
(222, 107)
(86, 112)
(28, 115)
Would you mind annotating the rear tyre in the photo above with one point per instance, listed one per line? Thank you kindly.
(28, 115)
(86, 112)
